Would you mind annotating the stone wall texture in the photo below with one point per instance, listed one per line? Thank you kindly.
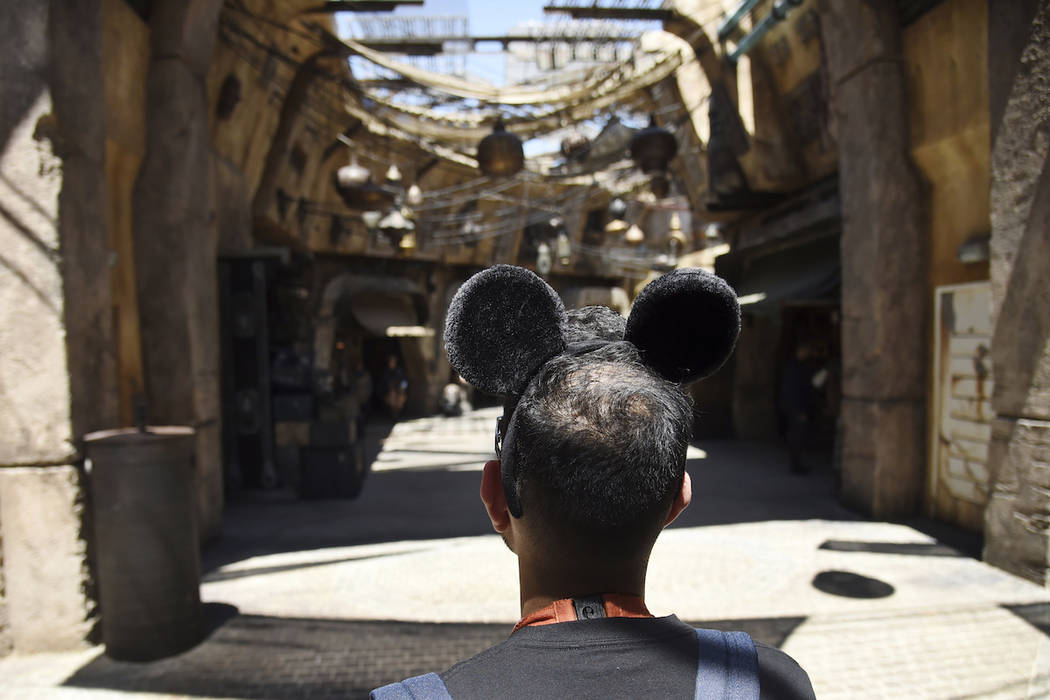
(884, 258)
(176, 241)
(1017, 520)
(46, 575)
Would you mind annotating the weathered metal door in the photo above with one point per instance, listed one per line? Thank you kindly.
(962, 404)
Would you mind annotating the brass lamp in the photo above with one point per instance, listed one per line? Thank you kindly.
(501, 152)
(652, 148)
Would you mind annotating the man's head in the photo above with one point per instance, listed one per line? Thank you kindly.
(596, 425)
(599, 451)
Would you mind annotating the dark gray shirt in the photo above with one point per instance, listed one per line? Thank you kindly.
(614, 657)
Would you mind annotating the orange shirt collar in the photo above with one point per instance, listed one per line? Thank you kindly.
(616, 605)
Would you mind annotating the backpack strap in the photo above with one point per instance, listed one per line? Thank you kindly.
(426, 687)
(728, 666)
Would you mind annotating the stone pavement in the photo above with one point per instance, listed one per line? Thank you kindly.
(331, 598)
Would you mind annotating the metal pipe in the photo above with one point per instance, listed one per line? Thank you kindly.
(778, 14)
(729, 23)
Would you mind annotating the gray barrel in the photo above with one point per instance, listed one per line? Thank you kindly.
(143, 495)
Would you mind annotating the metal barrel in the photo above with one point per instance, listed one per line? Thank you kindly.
(143, 498)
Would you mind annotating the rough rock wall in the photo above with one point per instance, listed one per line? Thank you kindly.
(884, 262)
(57, 370)
(175, 241)
(1017, 519)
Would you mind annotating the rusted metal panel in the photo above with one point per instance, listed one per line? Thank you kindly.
(962, 402)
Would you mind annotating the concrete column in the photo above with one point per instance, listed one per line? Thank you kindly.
(175, 242)
(57, 367)
(1017, 518)
(884, 262)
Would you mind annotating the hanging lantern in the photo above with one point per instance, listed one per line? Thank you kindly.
(634, 235)
(393, 175)
(371, 219)
(500, 153)
(563, 248)
(617, 208)
(407, 243)
(653, 147)
(543, 259)
(353, 175)
(660, 185)
(395, 227)
(414, 196)
(616, 226)
(367, 196)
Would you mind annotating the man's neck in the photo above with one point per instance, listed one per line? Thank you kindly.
(541, 585)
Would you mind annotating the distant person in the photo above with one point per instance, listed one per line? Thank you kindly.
(394, 387)
(455, 399)
(796, 404)
(590, 467)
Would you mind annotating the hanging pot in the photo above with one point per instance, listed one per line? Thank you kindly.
(501, 152)
(653, 147)
(368, 196)
(660, 185)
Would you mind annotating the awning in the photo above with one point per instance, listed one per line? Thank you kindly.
(388, 314)
(806, 272)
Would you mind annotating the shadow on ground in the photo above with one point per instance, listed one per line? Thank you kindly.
(251, 656)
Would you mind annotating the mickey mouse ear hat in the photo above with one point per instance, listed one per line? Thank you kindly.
(505, 323)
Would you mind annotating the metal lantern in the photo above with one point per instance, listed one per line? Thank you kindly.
(634, 235)
(407, 243)
(414, 196)
(396, 224)
(660, 185)
(501, 152)
(617, 208)
(368, 196)
(563, 247)
(616, 226)
(543, 259)
(371, 219)
(353, 175)
(393, 175)
(653, 147)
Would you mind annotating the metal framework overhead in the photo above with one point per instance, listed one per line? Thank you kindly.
(645, 10)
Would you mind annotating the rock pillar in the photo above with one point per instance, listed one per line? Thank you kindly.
(884, 262)
(58, 372)
(175, 242)
(1017, 518)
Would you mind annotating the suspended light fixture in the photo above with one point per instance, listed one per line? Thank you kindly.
(617, 208)
(414, 196)
(371, 219)
(563, 248)
(652, 148)
(543, 259)
(407, 243)
(395, 227)
(634, 235)
(393, 175)
(501, 152)
(660, 185)
(353, 175)
(367, 196)
(616, 226)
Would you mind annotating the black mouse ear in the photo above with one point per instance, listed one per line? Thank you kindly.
(685, 324)
(502, 325)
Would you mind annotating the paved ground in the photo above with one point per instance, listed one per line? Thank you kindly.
(331, 598)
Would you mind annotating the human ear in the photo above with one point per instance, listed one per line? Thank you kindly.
(682, 500)
(493, 497)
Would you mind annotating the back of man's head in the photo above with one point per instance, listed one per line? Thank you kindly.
(600, 444)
